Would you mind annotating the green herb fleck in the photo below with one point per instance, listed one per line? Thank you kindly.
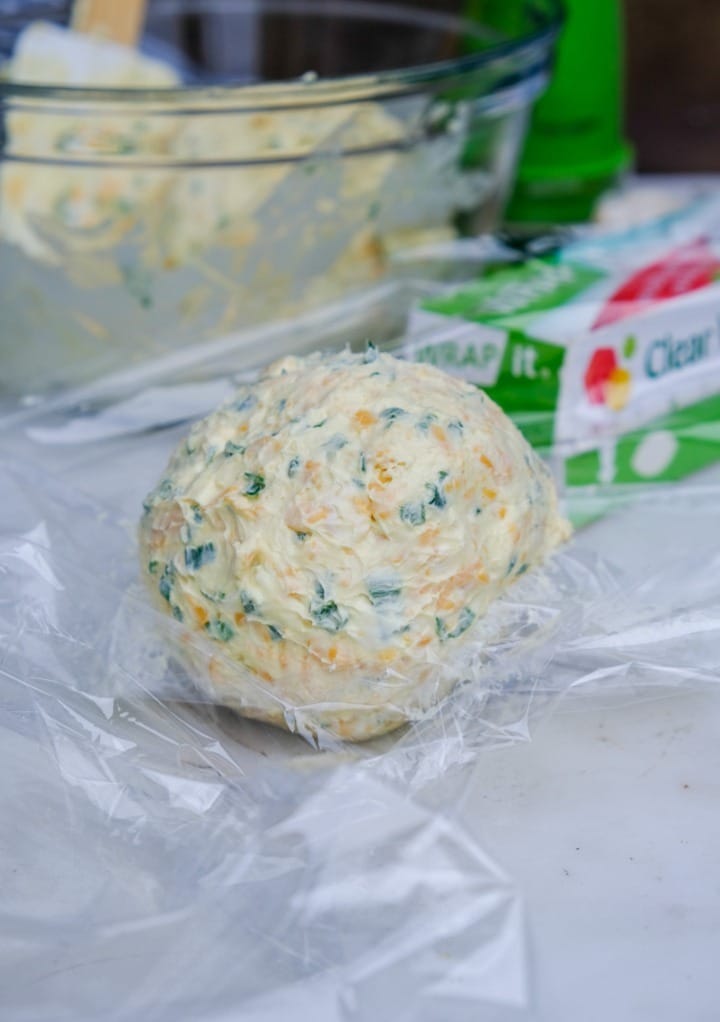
(293, 466)
(371, 353)
(125, 146)
(166, 581)
(197, 556)
(478, 510)
(231, 448)
(255, 484)
(457, 426)
(64, 142)
(437, 497)
(245, 403)
(138, 283)
(197, 515)
(247, 603)
(302, 536)
(275, 632)
(325, 613)
(383, 591)
(161, 492)
(412, 514)
(177, 613)
(319, 425)
(391, 415)
(336, 443)
(363, 462)
(426, 421)
(153, 566)
(522, 569)
(465, 619)
(219, 629)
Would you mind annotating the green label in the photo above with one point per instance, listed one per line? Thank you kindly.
(520, 372)
(528, 384)
(525, 381)
(517, 291)
(460, 356)
(485, 332)
(668, 449)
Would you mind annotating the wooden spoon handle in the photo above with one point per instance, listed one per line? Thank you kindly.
(118, 20)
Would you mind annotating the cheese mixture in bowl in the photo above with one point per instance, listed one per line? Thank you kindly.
(215, 178)
(331, 536)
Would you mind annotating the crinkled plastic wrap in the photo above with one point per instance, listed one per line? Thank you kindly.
(165, 859)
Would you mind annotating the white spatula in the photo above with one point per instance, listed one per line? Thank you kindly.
(98, 48)
(120, 21)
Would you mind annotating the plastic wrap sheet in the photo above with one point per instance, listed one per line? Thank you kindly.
(163, 859)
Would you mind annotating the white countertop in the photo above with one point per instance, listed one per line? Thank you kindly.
(608, 822)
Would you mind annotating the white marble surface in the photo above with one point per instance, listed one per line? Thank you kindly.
(608, 821)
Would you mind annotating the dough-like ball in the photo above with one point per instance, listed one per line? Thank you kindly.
(335, 531)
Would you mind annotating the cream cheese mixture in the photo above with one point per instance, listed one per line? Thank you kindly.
(336, 530)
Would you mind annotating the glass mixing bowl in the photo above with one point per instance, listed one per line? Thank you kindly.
(284, 154)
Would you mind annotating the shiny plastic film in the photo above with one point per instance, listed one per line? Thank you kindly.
(164, 857)
(167, 858)
(620, 620)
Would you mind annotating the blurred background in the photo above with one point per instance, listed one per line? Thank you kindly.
(672, 83)
(670, 66)
(132, 228)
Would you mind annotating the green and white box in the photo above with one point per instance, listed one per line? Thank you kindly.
(606, 354)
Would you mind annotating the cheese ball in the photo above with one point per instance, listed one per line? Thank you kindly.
(330, 536)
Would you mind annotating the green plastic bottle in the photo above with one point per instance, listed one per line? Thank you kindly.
(575, 149)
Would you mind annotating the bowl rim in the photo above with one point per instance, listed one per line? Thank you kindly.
(310, 90)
